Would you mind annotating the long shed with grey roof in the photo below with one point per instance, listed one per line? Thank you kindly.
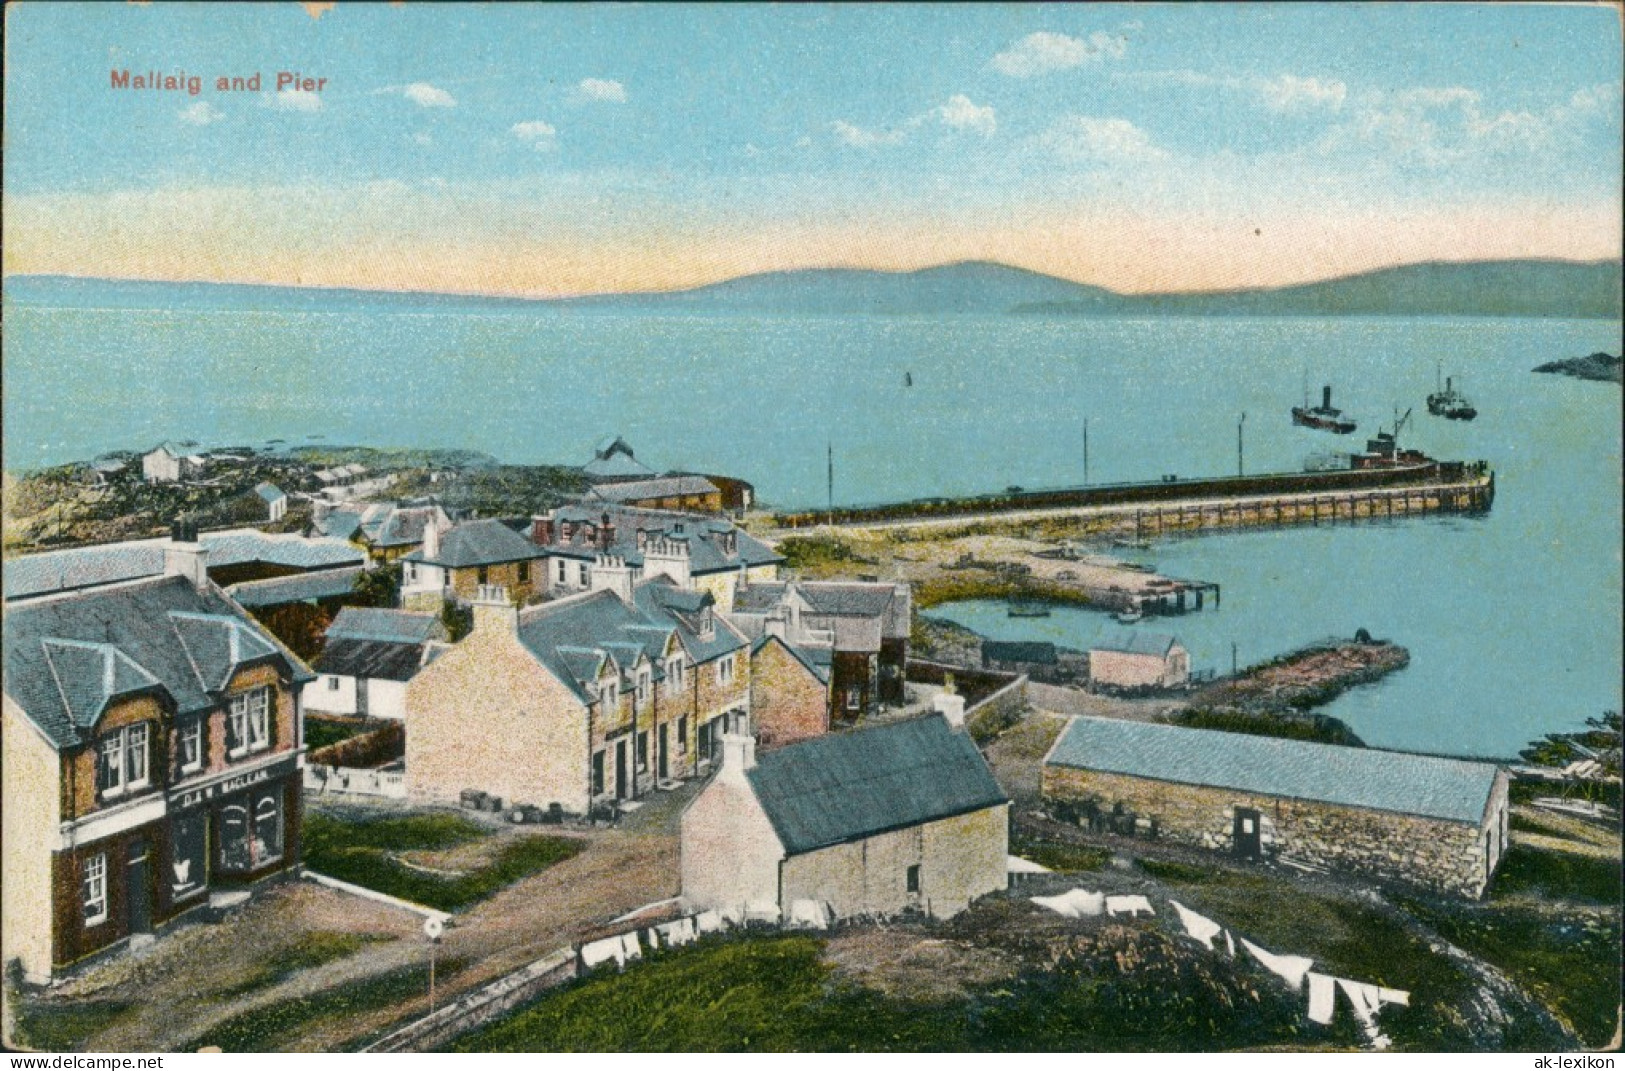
(1422, 820)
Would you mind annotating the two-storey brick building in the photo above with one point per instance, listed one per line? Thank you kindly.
(152, 753)
(583, 701)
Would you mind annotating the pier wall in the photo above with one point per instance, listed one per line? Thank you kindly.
(1155, 509)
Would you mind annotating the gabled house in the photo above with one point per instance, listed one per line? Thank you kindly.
(878, 821)
(369, 656)
(659, 492)
(789, 691)
(152, 755)
(456, 564)
(860, 628)
(275, 499)
(582, 702)
(698, 552)
(1130, 658)
(613, 460)
(172, 462)
(390, 531)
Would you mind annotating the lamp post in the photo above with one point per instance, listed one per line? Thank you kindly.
(432, 929)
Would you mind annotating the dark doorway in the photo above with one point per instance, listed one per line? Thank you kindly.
(135, 888)
(361, 696)
(660, 759)
(620, 770)
(1248, 834)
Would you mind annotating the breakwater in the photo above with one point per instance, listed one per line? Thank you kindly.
(1224, 501)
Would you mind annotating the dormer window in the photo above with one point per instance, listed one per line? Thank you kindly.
(608, 694)
(643, 687)
(189, 745)
(674, 675)
(708, 627)
(121, 760)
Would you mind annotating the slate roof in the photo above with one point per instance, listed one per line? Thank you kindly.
(270, 492)
(817, 659)
(390, 626)
(339, 524)
(1428, 786)
(613, 460)
(66, 570)
(301, 587)
(848, 600)
(870, 600)
(1018, 651)
(474, 543)
(1133, 641)
(67, 658)
(387, 525)
(701, 532)
(848, 786)
(572, 637)
(658, 487)
(371, 659)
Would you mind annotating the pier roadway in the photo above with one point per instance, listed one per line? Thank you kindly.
(1148, 520)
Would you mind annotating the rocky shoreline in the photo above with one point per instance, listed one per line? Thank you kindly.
(1600, 367)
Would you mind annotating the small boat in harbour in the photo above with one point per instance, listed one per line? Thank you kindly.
(1448, 402)
(1127, 617)
(1323, 417)
(1027, 609)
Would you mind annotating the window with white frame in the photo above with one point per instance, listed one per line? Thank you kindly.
(583, 574)
(248, 723)
(674, 675)
(643, 687)
(725, 670)
(607, 695)
(562, 567)
(93, 889)
(189, 745)
(121, 760)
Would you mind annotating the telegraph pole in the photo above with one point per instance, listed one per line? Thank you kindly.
(1086, 451)
(1239, 425)
(829, 516)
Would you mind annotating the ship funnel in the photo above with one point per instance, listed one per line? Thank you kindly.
(1326, 397)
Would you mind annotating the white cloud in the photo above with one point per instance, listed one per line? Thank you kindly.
(602, 89)
(535, 133)
(293, 100)
(1042, 52)
(422, 139)
(425, 95)
(1595, 98)
(1291, 93)
(961, 114)
(860, 138)
(1436, 96)
(201, 114)
(1105, 140)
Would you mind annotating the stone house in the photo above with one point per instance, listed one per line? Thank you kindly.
(152, 762)
(697, 552)
(789, 691)
(171, 462)
(368, 657)
(903, 816)
(861, 628)
(584, 702)
(1130, 658)
(659, 492)
(1421, 820)
(455, 565)
(275, 499)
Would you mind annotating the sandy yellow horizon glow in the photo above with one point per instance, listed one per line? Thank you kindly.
(467, 245)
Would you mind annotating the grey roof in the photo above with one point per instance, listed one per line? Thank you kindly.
(759, 598)
(387, 525)
(66, 570)
(704, 534)
(847, 599)
(301, 587)
(613, 460)
(847, 786)
(1018, 651)
(370, 659)
(1133, 641)
(339, 524)
(270, 492)
(472, 543)
(67, 658)
(390, 626)
(658, 487)
(1455, 790)
(887, 603)
(572, 637)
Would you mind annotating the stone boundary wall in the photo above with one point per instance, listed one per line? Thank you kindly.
(481, 1006)
(993, 700)
(1445, 857)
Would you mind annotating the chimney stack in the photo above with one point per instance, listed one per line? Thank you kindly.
(951, 707)
(541, 531)
(185, 556)
(606, 533)
(431, 539)
(494, 611)
(738, 755)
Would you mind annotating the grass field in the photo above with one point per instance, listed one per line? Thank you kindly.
(364, 851)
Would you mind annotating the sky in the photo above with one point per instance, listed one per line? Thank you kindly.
(552, 150)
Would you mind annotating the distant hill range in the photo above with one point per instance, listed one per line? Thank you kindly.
(1547, 288)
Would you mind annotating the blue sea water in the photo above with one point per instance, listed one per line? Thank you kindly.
(1513, 619)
